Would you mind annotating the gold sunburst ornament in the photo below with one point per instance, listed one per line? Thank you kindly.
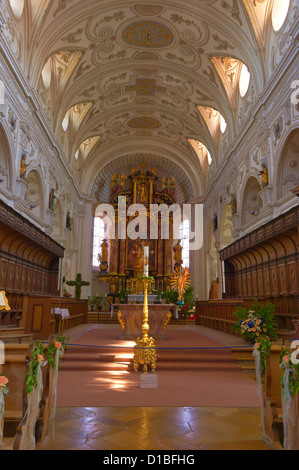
(180, 281)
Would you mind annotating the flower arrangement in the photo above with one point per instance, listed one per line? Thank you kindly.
(3, 386)
(183, 311)
(293, 371)
(264, 347)
(258, 321)
(59, 343)
(37, 357)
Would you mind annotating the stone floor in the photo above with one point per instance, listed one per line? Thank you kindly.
(138, 428)
(157, 429)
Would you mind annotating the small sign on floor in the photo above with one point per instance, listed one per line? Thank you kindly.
(149, 380)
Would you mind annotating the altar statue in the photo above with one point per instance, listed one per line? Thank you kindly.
(233, 203)
(142, 193)
(180, 281)
(23, 166)
(103, 257)
(52, 199)
(264, 173)
(177, 249)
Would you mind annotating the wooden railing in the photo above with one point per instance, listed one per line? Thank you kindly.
(39, 318)
(217, 314)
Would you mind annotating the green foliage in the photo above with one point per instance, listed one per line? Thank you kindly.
(258, 321)
(123, 293)
(78, 283)
(171, 296)
(188, 296)
(286, 364)
(96, 300)
(37, 356)
(158, 294)
(149, 278)
(52, 348)
(264, 347)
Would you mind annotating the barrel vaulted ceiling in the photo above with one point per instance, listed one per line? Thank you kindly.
(144, 78)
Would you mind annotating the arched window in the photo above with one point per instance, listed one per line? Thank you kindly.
(17, 7)
(280, 11)
(184, 237)
(244, 81)
(47, 73)
(98, 237)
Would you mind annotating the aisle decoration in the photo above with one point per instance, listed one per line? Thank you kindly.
(34, 390)
(258, 325)
(3, 393)
(258, 321)
(289, 399)
(56, 350)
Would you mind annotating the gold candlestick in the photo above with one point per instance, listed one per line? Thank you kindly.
(144, 349)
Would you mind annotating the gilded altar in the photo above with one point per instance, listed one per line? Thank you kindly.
(130, 319)
(121, 262)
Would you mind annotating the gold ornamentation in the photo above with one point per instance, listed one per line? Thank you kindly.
(147, 34)
(180, 281)
(121, 321)
(144, 122)
(144, 349)
(3, 301)
(146, 87)
(167, 320)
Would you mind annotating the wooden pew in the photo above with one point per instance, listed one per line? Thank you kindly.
(217, 314)
(38, 317)
(15, 403)
(15, 367)
(273, 419)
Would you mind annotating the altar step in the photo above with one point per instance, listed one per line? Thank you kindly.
(101, 318)
(88, 358)
(105, 318)
(244, 358)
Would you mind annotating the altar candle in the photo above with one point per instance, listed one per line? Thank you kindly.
(145, 261)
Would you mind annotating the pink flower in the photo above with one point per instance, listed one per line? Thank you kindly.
(3, 381)
(285, 359)
(40, 358)
(257, 345)
(57, 345)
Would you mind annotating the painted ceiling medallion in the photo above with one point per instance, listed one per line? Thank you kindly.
(148, 10)
(147, 34)
(144, 122)
(146, 87)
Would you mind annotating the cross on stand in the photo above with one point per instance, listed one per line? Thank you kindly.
(78, 283)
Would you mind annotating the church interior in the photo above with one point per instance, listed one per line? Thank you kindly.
(149, 225)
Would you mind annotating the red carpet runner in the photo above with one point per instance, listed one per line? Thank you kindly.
(100, 376)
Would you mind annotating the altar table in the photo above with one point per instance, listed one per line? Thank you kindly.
(130, 318)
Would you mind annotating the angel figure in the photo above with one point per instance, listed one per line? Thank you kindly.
(180, 282)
